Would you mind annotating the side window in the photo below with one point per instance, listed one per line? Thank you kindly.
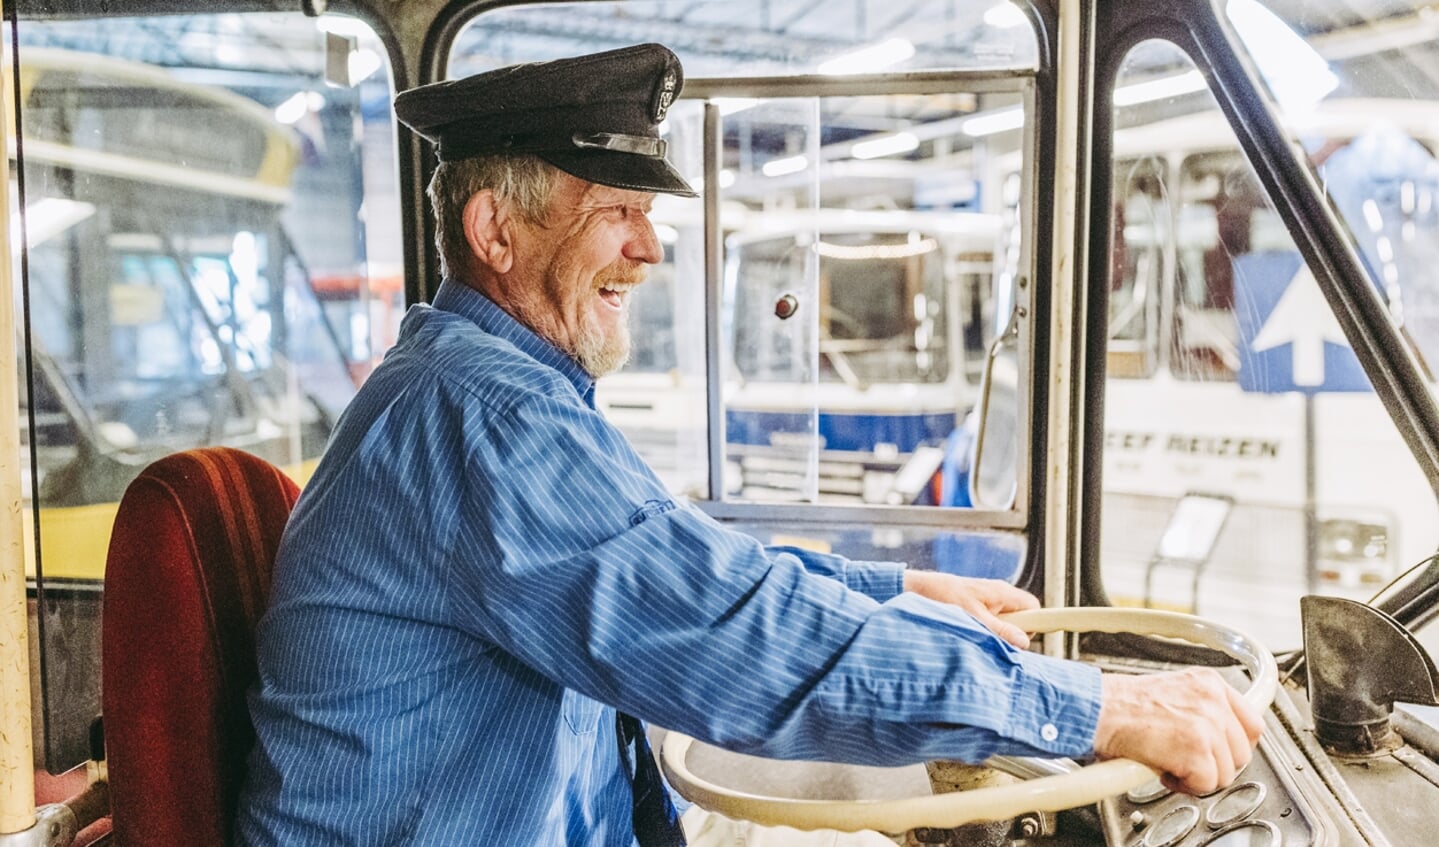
(212, 260)
(1240, 445)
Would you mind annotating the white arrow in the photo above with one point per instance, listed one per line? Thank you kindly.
(1302, 319)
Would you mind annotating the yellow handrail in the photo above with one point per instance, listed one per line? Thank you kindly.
(17, 762)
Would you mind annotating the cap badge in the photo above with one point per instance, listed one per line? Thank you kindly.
(665, 94)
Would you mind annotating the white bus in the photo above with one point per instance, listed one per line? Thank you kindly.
(829, 410)
(1246, 457)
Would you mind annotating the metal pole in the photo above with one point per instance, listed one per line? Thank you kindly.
(1062, 505)
(1311, 514)
(17, 758)
(714, 300)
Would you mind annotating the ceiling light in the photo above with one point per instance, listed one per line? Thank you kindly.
(885, 145)
(1295, 72)
(868, 59)
(344, 25)
(294, 108)
(861, 252)
(726, 179)
(362, 63)
(787, 165)
(1160, 89)
(1372, 216)
(47, 218)
(1004, 15)
(1385, 248)
(1001, 120)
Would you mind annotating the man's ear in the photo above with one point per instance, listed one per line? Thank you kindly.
(488, 231)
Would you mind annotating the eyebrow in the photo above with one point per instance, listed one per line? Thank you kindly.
(645, 200)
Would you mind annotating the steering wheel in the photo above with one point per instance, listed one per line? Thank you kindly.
(1080, 787)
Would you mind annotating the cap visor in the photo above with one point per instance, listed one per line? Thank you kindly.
(621, 170)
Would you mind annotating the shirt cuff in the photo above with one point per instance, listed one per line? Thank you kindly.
(881, 581)
(1055, 705)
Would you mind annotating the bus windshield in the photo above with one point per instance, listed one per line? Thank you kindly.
(1363, 112)
(1230, 382)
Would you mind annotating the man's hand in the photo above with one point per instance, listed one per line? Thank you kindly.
(983, 598)
(1190, 725)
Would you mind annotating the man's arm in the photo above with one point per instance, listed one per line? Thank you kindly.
(1191, 725)
(985, 599)
(572, 558)
(586, 571)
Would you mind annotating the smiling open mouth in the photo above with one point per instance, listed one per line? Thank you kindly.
(614, 293)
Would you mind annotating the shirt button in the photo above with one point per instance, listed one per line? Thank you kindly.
(1048, 732)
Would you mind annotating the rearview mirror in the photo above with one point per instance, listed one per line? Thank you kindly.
(993, 478)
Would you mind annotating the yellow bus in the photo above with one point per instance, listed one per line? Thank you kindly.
(167, 308)
(157, 290)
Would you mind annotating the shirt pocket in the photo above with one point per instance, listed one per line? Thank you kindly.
(582, 714)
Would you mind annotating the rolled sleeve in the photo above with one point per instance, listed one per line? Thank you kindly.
(880, 581)
(1054, 706)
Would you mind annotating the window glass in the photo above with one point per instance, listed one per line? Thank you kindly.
(1241, 436)
(1365, 107)
(757, 38)
(1141, 233)
(212, 258)
(843, 401)
(868, 254)
(1355, 87)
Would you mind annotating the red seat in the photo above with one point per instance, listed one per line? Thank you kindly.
(186, 580)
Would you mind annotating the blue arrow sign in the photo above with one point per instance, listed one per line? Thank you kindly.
(1289, 339)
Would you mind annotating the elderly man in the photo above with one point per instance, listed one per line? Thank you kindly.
(483, 581)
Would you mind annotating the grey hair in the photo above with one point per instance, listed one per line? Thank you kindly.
(523, 181)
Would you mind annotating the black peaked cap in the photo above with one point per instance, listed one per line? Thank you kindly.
(595, 117)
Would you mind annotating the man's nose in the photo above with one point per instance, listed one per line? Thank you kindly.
(644, 244)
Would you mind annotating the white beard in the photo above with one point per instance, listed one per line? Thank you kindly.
(601, 354)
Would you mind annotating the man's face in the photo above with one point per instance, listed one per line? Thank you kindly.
(573, 272)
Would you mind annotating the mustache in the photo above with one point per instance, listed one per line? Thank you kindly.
(622, 272)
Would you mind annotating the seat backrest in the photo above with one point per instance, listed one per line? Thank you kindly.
(186, 580)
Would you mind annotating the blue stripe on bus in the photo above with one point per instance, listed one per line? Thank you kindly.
(842, 431)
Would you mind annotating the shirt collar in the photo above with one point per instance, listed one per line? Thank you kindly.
(465, 301)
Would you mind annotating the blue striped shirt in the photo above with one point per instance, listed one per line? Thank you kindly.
(482, 569)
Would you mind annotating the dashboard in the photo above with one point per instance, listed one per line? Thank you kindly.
(1264, 807)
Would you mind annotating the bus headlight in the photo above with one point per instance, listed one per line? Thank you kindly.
(1353, 552)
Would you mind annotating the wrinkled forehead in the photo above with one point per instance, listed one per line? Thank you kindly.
(582, 193)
